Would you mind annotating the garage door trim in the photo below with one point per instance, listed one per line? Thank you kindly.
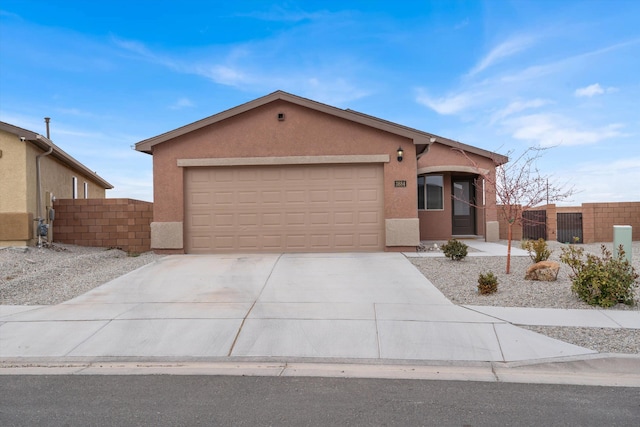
(291, 160)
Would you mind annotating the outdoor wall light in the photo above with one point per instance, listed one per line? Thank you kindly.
(400, 154)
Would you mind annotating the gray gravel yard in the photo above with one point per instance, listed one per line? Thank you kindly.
(457, 280)
(44, 276)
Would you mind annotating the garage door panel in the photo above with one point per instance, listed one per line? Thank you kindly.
(296, 241)
(319, 196)
(221, 198)
(344, 218)
(344, 240)
(247, 197)
(296, 196)
(316, 174)
(369, 217)
(367, 195)
(295, 218)
(318, 208)
(222, 175)
(272, 242)
(223, 220)
(271, 197)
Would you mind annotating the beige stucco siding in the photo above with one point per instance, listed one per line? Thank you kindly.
(304, 132)
(56, 180)
(13, 180)
(18, 187)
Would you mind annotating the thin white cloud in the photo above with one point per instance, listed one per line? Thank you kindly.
(331, 90)
(547, 130)
(503, 50)
(607, 178)
(543, 70)
(592, 90)
(518, 106)
(451, 104)
(278, 13)
(460, 25)
(589, 91)
(240, 67)
(222, 74)
(181, 103)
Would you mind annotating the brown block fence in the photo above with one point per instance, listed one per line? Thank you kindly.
(109, 223)
(598, 220)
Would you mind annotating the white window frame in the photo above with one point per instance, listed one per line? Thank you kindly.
(86, 190)
(425, 194)
(74, 187)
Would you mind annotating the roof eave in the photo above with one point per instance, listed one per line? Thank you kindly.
(421, 139)
(45, 143)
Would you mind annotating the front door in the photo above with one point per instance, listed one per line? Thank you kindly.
(464, 212)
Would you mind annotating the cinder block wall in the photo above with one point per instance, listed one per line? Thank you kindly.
(598, 220)
(503, 226)
(109, 223)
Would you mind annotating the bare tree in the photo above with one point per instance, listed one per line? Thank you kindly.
(520, 186)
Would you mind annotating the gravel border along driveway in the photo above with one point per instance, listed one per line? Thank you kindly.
(457, 280)
(44, 276)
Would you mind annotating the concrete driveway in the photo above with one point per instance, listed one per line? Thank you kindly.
(325, 306)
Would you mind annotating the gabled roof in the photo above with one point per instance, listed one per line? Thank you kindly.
(45, 143)
(421, 139)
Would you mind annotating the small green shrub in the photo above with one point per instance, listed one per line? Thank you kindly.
(487, 283)
(538, 249)
(455, 249)
(604, 281)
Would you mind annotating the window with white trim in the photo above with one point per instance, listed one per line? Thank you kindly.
(74, 187)
(431, 192)
(86, 190)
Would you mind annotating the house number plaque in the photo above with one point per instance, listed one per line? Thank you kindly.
(400, 183)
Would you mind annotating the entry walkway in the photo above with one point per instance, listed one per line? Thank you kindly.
(480, 249)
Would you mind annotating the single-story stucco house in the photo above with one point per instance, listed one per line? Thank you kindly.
(34, 171)
(283, 173)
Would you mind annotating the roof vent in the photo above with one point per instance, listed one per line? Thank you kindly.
(281, 117)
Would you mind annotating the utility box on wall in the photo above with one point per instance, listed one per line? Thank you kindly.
(622, 236)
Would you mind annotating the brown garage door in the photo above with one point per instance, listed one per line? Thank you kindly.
(298, 208)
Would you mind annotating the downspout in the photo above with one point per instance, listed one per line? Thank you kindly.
(39, 185)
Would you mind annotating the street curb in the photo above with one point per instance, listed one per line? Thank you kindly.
(613, 370)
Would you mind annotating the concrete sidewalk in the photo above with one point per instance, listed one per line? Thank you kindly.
(365, 308)
(479, 248)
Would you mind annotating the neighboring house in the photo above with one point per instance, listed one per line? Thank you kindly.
(26, 158)
(287, 174)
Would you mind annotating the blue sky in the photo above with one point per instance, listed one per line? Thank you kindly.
(501, 75)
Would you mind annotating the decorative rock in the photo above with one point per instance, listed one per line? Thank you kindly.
(546, 271)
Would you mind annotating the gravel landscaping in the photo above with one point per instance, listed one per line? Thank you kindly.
(44, 276)
(457, 280)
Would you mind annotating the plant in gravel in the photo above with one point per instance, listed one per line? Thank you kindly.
(604, 281)
(487, 283)
(538, 249)
(455, 249)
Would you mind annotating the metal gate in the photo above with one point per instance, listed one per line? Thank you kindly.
(534, 225)
(570, 227)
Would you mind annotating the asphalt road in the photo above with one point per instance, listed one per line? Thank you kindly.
(164, 400)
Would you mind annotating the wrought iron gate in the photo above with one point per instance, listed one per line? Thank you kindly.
(534, 225)
(570, 227)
